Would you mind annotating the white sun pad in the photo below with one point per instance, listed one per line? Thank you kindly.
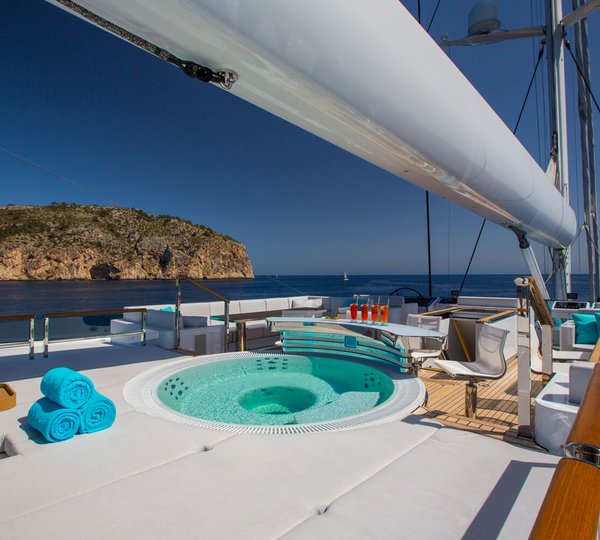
(147, 478)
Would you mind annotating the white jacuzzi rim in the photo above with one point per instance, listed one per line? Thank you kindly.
(141, 393)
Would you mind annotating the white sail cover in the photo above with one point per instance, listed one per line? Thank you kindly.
(366, 77)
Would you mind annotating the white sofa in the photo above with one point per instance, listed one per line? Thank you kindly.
(202, 324)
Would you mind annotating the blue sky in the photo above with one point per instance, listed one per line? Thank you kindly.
(133, 131)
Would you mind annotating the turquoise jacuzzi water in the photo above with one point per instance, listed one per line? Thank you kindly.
(274, 390)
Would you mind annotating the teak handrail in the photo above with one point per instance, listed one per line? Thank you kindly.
(16, 317)
(91, 313)
(30, 339)
(538, 304)
(204, 288)
(570, 508)
(442, 311)
(595, 357)
(455, 309)
(572, 505)
(495, 316)
(586, 428)
(66, 314)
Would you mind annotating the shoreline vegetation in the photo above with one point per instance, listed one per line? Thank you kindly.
(71, 242)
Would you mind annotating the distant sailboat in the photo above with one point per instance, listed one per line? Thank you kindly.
(346, 278)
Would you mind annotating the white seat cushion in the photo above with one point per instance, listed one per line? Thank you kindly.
(464, 369)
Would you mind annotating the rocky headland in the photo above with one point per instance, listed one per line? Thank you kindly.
(70, 241)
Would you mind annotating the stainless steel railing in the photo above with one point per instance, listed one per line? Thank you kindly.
(30, 340)
(49, 316)
(225, 300)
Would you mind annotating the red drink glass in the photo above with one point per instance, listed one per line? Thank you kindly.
(374, 313)
(385, 311)
(353, 311)
(364, 312)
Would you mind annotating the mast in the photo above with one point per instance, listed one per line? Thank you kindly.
(561, 258)
(588, 163)
(555, 33)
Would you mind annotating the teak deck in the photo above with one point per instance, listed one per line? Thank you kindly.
(496, 404)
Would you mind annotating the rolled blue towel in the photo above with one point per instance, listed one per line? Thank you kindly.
(54, 422)
(97, 414)
(67, 387)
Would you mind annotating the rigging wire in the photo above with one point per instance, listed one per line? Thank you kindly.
(429, 281)
(545, 78)
(581, 74)
(549, 251)
(428, 245)
(448, 242)
(226, 79)
(57, 175)
(537, 93)
(303, 293)
(576, 131)
(542, 127)
(539, 58)
(472, 255)
(547, 138)
(589, 233)
(593, 97)
(433, 16)
(540, 54)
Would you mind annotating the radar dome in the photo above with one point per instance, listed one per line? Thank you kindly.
(484, 18)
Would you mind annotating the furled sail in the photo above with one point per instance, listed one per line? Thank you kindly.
(366, 77)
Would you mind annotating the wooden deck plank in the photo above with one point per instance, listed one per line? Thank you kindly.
(497, 404)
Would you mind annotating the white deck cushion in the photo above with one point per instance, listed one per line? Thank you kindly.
(161, 319)
(307, 303)
(253, 306)
(277, 303)
(148, 478)
(454, 485)
(194, 321)
(248, 486)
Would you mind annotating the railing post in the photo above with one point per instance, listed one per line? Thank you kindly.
(240, 336)
(226, 329)
(31, 337)
(144, 326)
(524, 357)
(471, 399)
(178, 314)
(46, 335)
(546, 353)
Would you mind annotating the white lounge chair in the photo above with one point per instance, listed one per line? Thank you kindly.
(489, 363)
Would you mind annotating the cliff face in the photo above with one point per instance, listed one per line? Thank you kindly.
(68, 241)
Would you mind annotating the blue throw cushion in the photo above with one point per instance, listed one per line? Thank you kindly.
(597, 315)
(170, 309)
(586, 329)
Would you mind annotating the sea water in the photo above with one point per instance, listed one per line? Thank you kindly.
(39, 297)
